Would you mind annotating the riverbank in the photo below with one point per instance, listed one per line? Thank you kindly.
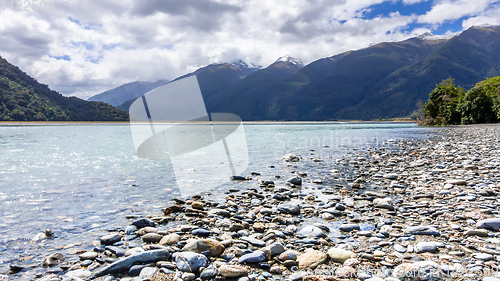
(423, 211)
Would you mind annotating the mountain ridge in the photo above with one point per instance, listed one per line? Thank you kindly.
(132, 90)
(212, 78)
(23, 98)
(385, 80)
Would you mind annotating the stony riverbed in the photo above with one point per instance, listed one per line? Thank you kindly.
(428, 210)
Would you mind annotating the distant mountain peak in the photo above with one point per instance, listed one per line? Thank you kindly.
(290, 59)
(125, 92)
(242, 65)
(430, 36)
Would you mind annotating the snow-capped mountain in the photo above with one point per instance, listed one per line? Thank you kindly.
(290, 59)
(243, 65)
(430, 36)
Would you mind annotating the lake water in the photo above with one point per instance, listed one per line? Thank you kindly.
(81, 179)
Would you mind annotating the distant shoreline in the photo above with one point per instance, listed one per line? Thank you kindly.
(59, 123)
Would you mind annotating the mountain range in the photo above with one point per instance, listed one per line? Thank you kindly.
(212, 79)
(384, 80)
(22, 98)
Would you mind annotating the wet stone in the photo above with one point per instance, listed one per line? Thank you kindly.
(197, 205)
(130, 229)
(152, 238)
(295, 181)
(310, 231)
(140, 223)
(110, 239)
(290, 158)
(397, 194)
(88, 256)
(53, 260)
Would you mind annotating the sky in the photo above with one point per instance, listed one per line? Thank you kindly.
(82, 48)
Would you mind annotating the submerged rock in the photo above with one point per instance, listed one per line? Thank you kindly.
(289, 208)
(141, 223)
(53, 260)
(294, 181)
(311, 231)
(290, 158)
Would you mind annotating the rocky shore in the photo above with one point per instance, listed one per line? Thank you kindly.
(428, 210)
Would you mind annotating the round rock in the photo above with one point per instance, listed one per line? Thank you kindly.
(189, 261)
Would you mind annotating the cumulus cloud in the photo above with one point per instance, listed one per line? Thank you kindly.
(84, 48)
(411, 2)
(452, 10)
(490, 16)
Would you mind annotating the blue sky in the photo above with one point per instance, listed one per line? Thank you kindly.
(418, 9)
(83, 48)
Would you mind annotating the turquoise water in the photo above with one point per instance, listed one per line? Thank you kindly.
(80, 180)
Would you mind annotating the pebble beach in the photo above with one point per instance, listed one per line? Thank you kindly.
(428, 209)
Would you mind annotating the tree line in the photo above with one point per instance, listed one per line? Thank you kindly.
(449, 104)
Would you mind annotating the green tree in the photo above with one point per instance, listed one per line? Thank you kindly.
(17, 115)
(442, 108)
(480, 104)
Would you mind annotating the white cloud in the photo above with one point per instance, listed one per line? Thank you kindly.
(411, 2)
(452, 10)
(488, 17)
(111, 42)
